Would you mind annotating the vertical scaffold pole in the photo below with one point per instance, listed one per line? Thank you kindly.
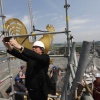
(67, 28)
(2, 17)
(3, 33)
(66, 87)
(67, 76)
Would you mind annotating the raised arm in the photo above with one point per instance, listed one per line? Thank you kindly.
(10, 49)
(44, 58)
(17, 54)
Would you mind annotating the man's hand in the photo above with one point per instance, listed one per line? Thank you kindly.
(7, 44)
(15, 43)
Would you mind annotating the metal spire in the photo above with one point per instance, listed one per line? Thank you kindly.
(31, 18)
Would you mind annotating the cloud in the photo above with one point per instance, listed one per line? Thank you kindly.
(25, 20)
(60, 19)
(9, 16)
(75, 27)
(53, 5)
(78, 21)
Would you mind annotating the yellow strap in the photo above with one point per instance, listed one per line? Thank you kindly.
(4, 27)
(50, 99)
(67, 18)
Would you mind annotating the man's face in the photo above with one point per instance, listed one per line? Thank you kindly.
(24, 69)
(37, 49)
(98, 79)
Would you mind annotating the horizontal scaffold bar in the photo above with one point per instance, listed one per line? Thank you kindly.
(34, 34)
(9, 76)
(58, 55)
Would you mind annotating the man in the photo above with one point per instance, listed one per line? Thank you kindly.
(54, 77)
(37, 65)
(96, 88)
(18, 87)
(21, 74)
(23, 68)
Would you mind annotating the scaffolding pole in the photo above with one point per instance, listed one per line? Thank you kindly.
(67, 27)
(3, 33)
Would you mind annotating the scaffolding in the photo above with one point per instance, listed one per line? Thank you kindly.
(75, 70)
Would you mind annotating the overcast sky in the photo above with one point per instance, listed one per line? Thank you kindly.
(84, 17)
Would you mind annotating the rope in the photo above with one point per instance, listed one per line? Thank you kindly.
(87, 87)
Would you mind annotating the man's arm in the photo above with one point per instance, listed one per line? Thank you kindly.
(27, 52)
(14, 44)
(17, 54)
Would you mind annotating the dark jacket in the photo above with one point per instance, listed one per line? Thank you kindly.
(54, 76)
(96, 95)
(36, 64)
(18, 87)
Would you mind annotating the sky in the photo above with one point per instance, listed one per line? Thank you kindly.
(84, 17)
